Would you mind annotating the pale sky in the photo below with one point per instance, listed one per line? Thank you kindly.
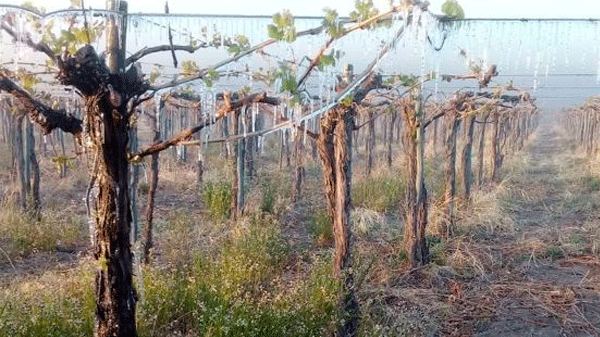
(581, 9)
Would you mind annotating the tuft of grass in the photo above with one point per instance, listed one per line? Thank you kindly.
(590, 183)
(366, 222)
(25, 234)
(178, 237)
(244, 290)
(240, 292)
(269, 192)
(320, 228)
(217, 198)
(253, 255)
(437, 249)
(554, 252)
(466, 258)
(381, 192)
(57, 303)
(269, 196)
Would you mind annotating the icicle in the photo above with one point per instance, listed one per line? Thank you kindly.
(157, 100)
(244, 124)
(254, 115)
(304, 133)
(259, 143)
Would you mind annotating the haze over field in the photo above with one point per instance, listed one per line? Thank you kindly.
(584, 9)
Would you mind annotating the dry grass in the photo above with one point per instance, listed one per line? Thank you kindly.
(524, 251)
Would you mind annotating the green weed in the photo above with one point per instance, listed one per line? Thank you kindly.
(217, 198)
(26, 234)
(269, 196)
(55, 304)
(320, 228)
(381, 193)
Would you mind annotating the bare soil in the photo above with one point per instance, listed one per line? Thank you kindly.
(545, 280)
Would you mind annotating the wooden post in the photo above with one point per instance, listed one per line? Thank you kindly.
(370, 142)
(241, 161)
(450, 170)
(495, 154)
(480, 151)
(467, 172)
(133, 185)
(33, 172)
(19, 159)
(154, 171)
(299, 163)
(390, 135)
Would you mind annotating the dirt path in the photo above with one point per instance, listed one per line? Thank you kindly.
(545, 278)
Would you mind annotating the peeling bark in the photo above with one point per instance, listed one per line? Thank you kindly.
(342, 231)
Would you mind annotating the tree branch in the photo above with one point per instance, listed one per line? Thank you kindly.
(300, 128)
(25, 38)
(158, 147)
(315, 61)
(434, 117)
(357, 26)
(185, 135)
(230, 106)
(150, 50)
(48, 119)
(203, 72)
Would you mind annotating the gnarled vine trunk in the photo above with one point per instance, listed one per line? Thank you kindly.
(415, 242)
(335, 149)
(115, 295)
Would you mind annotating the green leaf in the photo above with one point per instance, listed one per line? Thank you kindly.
(347, 101)
(283, 28)
(29, 5)
(453, 10)
(364, 11)
(402, 80)
(296, 100)
(211, 77)
(332, 24)
(288, 80)
(189, 68)
(326, 60)
(81, 36)
(241, 43)
(273, 32)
